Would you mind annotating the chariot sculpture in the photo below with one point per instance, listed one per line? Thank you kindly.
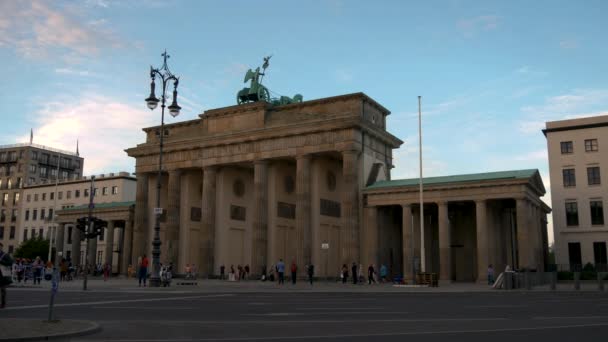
(258, 92)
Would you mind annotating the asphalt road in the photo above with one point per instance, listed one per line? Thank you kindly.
(147, 315)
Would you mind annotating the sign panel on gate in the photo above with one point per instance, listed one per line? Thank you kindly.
(325, 245)
(158, 211)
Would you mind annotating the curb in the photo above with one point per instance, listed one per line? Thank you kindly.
(95, 327)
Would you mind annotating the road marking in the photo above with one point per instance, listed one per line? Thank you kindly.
(312, 321)
(409, 333)
(328, 313)
(147, 307)
(118, 301)
(379, 308)
(569, 317)
(506, 306)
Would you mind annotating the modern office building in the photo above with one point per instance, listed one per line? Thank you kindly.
(28, 163)
(578, 161)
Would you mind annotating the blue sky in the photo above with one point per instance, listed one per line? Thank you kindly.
(490, 72)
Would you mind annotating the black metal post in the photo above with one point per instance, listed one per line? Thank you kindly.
(89, 228)
(156, 243)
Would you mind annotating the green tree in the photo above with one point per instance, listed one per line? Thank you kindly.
(32, 248)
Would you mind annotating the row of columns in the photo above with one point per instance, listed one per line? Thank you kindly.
(260, 231)
(529, 237)
(125, 243)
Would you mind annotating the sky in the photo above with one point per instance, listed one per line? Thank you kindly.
(490, 73)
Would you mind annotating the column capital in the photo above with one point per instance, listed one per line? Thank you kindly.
(347, 152)
(260, 162)
(441, 202)
(174, 171)
(406, 205)
(481, 200)
(211, 168)
(303, 156)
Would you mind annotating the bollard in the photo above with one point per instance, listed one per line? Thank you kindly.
(508, 280)
(553, 280)
(600, 281)
(577, 280)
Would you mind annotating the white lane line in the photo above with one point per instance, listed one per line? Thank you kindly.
(306, 309)
(506, 306)
(328, 313)
(143, 300)
(388, 334)
(569, 317)
(311, 321)
(147, 307)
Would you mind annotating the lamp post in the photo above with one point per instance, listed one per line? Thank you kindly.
(152, 101)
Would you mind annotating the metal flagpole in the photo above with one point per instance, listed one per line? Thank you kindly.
(54, 230)
(422, 252)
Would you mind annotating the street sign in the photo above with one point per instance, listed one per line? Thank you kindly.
(325, 245)
(158, 211)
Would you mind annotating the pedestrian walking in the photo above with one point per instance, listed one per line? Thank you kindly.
(383, 273)
(246, 274)
(281, 271)
(143, 270)
(344, 274)
(311, 272)
(490, 275)
(106, 271)
(294, 271)
(6, 266)
(370, 274)
(38, 267)
(355, 273)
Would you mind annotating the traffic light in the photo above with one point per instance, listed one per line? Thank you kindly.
(81, 224)
(98, 225)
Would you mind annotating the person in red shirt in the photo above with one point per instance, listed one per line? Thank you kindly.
(143, 270)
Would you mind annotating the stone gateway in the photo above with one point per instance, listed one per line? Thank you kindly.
(254, 183)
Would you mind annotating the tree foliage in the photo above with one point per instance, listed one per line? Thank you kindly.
(32, 248)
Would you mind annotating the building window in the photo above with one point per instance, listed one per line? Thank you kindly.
(597, 213)
(591, 145)
(95, 192)
(33, 169)
(28, 198)
(19, 182)
(68, 194)
(34, 155)
(64, 174)
(42, 213)
(14, 215)
(104, 190)
(86, 192)
(4, 198)
(53, 173)
(34, 214)
(32, 180)
(571, 214)
(50, 213)
(11, 235)
(2, 215)
(60, 195)
(35, 197)
(567, 147)
(27, 215)
(599, 254)
(25, 234)
(77, 193)
(9, 183)
(43, 172)
(114, 190)
(44, 196)
(574, 255)
(593, 175)
(52, 196)
(41, 233)
(16, 198)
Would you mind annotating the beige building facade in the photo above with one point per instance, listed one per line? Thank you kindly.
(22, 165)
(255, 183)
(48, 210)
(578, 160)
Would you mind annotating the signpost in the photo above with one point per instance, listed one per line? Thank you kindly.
(54, 288)
(325, 247)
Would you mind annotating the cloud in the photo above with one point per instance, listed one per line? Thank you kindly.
(343, 75)
(534, 156)
(37, 30)
(406, 161)
(70, 71)
(471, 26)
(568, 44)
(103, 126)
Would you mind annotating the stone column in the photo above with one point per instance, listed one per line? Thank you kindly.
(523, 236)
(208, 219)
(445, 241)
(481, 208)
(126, 257)
(259, 246)
(407, 241)
(173, 198)
(350, 207)
(141, 229)
(303, 205)
(76, 234)
(109, 250)
(371, 238)
(59, 241)
(92, 251)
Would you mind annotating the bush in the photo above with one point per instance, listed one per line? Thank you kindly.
(32, 248)
(564, 275)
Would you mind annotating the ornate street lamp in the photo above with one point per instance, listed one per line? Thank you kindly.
(152, 102)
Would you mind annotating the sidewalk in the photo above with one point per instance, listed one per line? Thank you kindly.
(14, 329)
(121, 284)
